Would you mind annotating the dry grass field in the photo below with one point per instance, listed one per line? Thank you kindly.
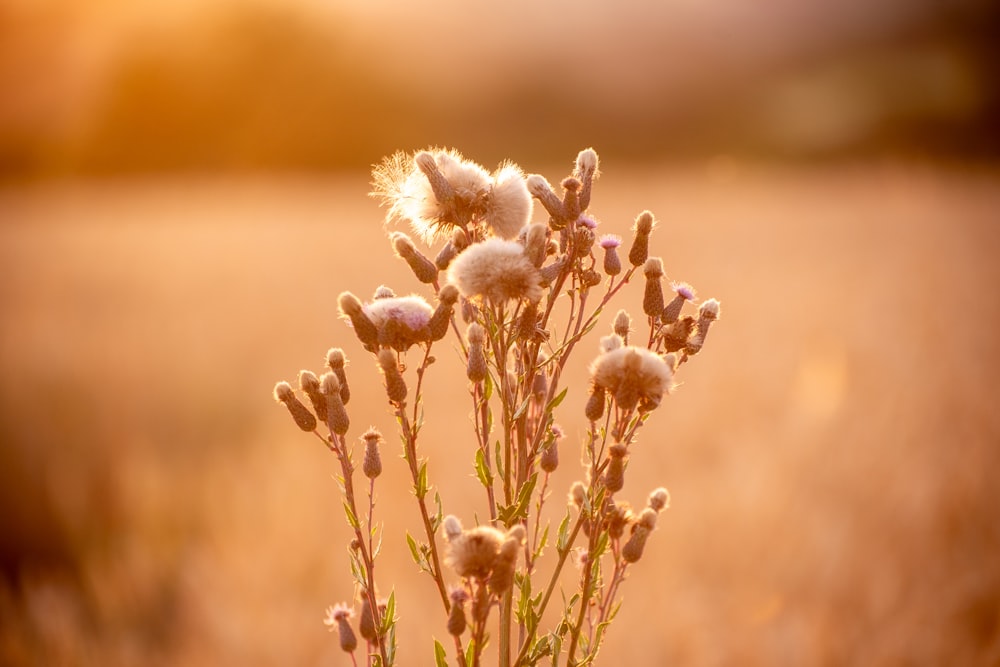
(832, 454)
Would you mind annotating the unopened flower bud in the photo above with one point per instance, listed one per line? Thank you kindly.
(441, 318)
(615, 478)
(551, 272)
(300, 413)
(364, 328)
(469, 311)
(707, 313)
(639, 252)
(549, 460)
(443, 190)
(586, 171)
(571, 198)
(475, 368)
(542, 191)
(594, 409)
(652, 300)
(309, 384)
(456, 617)
(336, 413)
(336, 360)
(676, 335)
(372, 464)
(366, 624)
(578, 494)
(672, 311)
(447, 253)
(536, 243)
(424, 269)
(623, 325)
(452, 527)
(632, 551)
(336, 617)
(395, 386)
(659, 499)
(612, 263)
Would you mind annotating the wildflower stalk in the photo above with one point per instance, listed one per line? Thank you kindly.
(410, 430)
(338, 445)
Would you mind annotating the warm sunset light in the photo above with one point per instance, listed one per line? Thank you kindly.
(187, 220)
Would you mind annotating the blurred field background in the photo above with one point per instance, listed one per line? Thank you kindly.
(183, 195)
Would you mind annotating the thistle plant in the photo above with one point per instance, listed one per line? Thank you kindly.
(515, 299)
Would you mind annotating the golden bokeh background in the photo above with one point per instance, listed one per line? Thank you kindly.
(183, 195)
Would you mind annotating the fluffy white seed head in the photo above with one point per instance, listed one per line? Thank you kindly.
(496, 270)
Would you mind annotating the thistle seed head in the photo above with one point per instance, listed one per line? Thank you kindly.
(473, 553)
(631, 374)
(496, 271)
(309, 384)
(508, 206)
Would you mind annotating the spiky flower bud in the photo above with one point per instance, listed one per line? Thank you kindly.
(424, 269)
(309, 384)
(618, 516)
(441, 318)
(586, 171)
(372, 464)
(551, 272)
(336, 413)
(615, 478)
(542, 191)
(652, 299)
(336, 618)
(366, 623)
(659, 499)
(536, 243)
(632, 551)
(594, 409)
(672, 311)
(612, 262)
(475, 368)
(364, 328)
(442, 189)
(395, 385)
(571, 198)
(623, 325)
(578, 494)
(300, 413)
(676, 335)
(447, 253)
(549, 460)
(707, 313)
(456, 616)
(336, 361)
(452, 527)
(639, 252)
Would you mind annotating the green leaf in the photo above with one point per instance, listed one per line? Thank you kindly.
(482, 470)
(542, 542)
(470, 652)
(521, 408)
(420, 490)
(352, 520)
(554, 403)
(563, 539)
(389, 618)
(487, 387)
(440, 657)
(414, 551)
